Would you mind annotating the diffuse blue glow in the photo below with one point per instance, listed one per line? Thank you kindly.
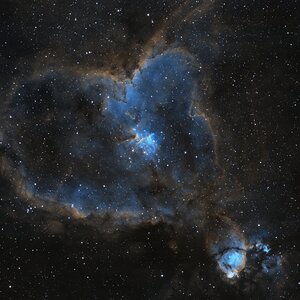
(263, 247)
(258, 242)
(270, 262)
(231, 261)
(121, 131)
(271, 265)
(230, 254)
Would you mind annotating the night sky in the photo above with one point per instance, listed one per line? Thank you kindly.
(148, 149)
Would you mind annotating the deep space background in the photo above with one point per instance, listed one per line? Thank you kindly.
(148, 149)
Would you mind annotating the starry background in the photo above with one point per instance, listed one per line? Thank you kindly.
(148, 149)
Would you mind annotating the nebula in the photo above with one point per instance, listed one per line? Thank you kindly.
(146, 150)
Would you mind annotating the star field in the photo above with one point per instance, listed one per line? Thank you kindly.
(148, 150)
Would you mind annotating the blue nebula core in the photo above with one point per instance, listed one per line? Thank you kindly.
(145, 141)
(231, 261)
(230, 253)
